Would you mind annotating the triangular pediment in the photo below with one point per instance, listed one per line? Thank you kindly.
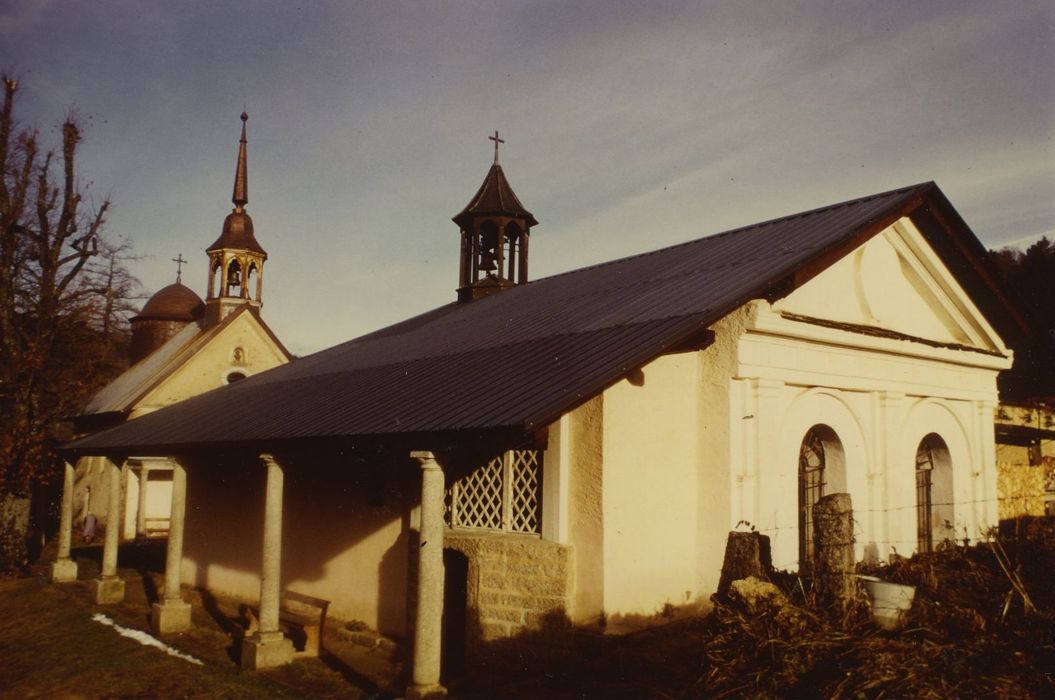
(895, 282)
(241, 346)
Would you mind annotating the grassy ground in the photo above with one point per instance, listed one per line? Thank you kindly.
(51, 648)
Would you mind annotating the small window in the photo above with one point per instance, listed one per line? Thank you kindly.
(235, 377)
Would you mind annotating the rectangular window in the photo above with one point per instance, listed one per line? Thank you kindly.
(503, 495)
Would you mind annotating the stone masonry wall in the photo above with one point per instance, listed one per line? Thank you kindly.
(1020, 488)
(516, 583)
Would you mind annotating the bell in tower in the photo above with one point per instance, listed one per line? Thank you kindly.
(495, 229)
(236, 260)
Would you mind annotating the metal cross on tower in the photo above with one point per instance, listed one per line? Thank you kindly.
(179, 266)
(497, 141)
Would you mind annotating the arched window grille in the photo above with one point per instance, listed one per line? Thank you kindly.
(811, 489)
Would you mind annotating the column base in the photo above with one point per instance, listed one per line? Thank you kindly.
(108, 590)
(426, 692)
(63, 570)
(169, 616)
(266, 650)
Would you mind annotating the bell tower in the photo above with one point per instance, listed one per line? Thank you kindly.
(495, 228)
(236, 260)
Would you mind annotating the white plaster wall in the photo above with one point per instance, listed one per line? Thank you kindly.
(650, 487)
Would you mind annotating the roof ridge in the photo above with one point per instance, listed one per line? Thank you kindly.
(741, 229)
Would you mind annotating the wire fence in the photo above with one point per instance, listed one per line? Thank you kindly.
(955, 535)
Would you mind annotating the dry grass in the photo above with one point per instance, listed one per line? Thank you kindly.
(962, 639)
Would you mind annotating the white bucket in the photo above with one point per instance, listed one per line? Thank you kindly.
(890, 601)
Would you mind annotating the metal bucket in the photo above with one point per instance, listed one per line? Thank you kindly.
(890, 601)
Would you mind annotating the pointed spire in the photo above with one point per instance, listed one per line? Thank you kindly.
(241, 175)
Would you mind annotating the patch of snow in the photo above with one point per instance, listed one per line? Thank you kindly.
(144, 638)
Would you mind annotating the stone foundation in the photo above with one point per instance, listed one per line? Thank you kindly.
(108, 590)
(516, 583)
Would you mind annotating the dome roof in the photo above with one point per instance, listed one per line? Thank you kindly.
(238, 234)
(172, 303)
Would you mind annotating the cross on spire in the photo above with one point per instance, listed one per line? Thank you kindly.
(497, 141)
(179, 266)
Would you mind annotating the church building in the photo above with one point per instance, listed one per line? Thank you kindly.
(579, 446)
(181, 346)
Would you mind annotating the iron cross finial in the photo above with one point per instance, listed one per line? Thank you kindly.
(497, 141)
(179, 266)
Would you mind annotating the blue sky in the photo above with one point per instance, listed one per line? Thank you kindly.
(629, 126)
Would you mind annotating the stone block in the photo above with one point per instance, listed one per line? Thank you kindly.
(513, 615)
(170, 616)
(260, 652)
(108, 590)
(64, 570)
(494, 630)
(426, 692)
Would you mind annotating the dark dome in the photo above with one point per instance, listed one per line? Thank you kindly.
(238, 234)
(172, 303)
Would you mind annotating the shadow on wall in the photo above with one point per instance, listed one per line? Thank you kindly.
(334, 515)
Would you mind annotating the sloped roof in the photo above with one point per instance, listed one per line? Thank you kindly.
(519, 359)
(124, 392)
(494, 198)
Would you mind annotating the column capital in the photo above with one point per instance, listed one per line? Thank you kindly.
(270, 459)
(426, 459)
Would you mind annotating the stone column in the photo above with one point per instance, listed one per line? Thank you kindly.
(109, 587)
(172, 614)
(429, 619)
(268, 647)
(141, 509)
(64, 568)
(833, 534)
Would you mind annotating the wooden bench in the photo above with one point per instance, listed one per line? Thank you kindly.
(305, 612)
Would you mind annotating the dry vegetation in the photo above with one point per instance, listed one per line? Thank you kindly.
(969, 634)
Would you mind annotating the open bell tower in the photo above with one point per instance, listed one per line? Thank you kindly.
(236, 260)
(495, 229)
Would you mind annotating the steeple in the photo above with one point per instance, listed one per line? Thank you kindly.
(495, 229)
(241, 174)
(236, 260)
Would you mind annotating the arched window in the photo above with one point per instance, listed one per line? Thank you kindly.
(933, 492)
(251, 280)
(512, 232)
(215, 279)
(821, 471)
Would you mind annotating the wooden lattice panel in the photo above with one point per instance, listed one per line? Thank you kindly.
(502, 494)
(523, 493)
(480, 497)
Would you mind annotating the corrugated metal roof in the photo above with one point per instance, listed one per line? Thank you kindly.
(516, 359)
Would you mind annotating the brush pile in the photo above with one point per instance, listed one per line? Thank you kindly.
(982, 625)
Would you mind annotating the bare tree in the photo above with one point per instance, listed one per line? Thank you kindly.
(62, 291)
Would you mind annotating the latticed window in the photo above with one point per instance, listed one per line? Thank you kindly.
(503, 494)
